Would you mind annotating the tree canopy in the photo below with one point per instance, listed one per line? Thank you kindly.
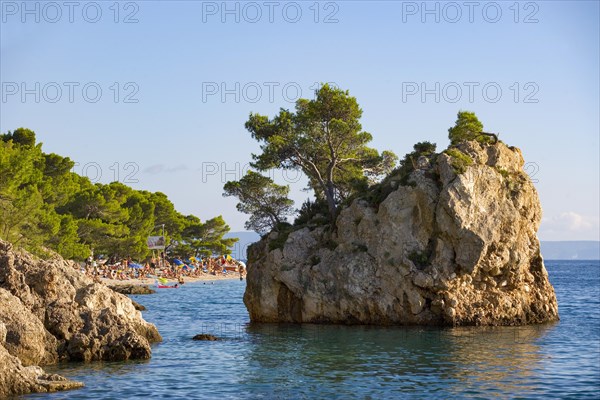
(265, 201)
(204, 238)
(22, 136)
(43, 205)
(467, 127)
(324, 139)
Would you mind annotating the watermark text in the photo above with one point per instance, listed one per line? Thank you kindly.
(53, 12)
(69, 92)
(454, 92)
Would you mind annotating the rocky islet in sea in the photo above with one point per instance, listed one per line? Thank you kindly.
(454, 245)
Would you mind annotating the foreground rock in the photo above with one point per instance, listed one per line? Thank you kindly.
(50, 312)
(17, 379)
(132, 289)
(457, 246)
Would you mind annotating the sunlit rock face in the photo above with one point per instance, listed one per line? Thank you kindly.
(452, 248)
(50, 312)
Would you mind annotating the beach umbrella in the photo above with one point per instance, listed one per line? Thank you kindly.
(136, 266)
(177, 262)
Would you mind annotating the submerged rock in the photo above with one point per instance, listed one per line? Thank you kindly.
(132, 289)
(205, 336)
(449, 249)
(51, 312)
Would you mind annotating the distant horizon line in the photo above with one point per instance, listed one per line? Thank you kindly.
(541, 240)
(582, 240)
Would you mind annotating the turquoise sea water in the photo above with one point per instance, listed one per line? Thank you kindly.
(560, 360)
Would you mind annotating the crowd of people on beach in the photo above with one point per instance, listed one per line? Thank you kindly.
(160, 267)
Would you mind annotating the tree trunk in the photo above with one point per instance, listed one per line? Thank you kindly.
(275, 221)
(330, 194)
(330, 190)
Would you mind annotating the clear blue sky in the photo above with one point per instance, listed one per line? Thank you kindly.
(182, 137)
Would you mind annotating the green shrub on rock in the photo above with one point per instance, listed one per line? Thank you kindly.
(460, 161)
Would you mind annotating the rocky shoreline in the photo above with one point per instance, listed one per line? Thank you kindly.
(50, 312)
(455, 245)
(132, 289)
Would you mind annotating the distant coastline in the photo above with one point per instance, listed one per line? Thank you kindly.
(551, 250)
(571, 250)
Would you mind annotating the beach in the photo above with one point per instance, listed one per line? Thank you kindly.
(187, 279)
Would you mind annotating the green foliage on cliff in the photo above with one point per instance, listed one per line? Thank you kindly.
(43, 205)
(265, 201)
(505, 174)
(423, 153)
(460, 160)
(281, 238)
(314, 212)
(324, 139)
(467, 127)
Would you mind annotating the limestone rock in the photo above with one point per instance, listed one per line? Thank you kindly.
(25, 337)
(17, 379)
(50, 312)
(132, 289)
(452, 248)
(138, 306)
(2, 333)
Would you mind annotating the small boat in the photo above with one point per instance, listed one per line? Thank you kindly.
(163, 286)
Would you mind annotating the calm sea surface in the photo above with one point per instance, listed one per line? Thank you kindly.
(560, 360)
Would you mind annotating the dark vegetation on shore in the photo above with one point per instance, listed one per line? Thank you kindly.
(45, 208)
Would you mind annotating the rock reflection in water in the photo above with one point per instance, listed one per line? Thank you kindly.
(375, 361)
(497, 359)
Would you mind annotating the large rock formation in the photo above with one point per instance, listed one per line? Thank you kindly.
(50, 312)
(457, 245)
